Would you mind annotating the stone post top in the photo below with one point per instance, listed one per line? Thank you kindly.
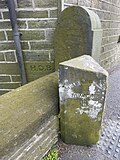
(85, 62)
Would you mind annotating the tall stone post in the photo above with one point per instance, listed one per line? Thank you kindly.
(82, 92)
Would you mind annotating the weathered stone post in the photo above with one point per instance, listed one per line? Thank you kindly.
(82, 91)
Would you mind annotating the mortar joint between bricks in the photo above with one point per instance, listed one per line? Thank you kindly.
(4, 56)
(11, 78)
(36, 9)
(29, 45)
(26, 22)
(15, 56)
(2, 15)
(33, 3)
(49, 56)
(48, 13)
(6, 37)
(45, 31)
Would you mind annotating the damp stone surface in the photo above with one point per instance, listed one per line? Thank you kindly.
(82, 92)
(78, 32)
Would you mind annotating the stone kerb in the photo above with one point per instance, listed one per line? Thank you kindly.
(28, 120)
(82, 91)
(78, 32)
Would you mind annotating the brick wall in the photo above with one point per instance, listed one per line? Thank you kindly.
(36, 22)
(109, 13)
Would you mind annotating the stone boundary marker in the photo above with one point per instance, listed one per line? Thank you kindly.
(82, 91)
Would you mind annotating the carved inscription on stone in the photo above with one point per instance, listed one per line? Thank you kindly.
(41, 68)
(37, 69)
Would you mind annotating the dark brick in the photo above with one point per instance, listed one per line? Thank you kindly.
(42, 24)
(105, 24)
(32, 14)
(32, 35)
(16, 78)
(36, 55)
(54, 13)
(9, 68)
(113, 39)
(3, 4)
(21, 24)
(50, 34)
(7, 46)
(24, 45)
(41, 45)
(105, 7)
(4, 78)
(109, 47)
(5, 25)
(2, 57)
(28, 14)
(107, 15)
(105, 40)
(2, 36)
(105, 33)
(9, 85)
(114, 24)
(28, 35)
(10, 56)
(24, 3)
(6, 15)
(46, 3)
(11, 46)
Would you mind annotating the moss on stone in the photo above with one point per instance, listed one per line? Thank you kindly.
(73, 35)
(78, 128)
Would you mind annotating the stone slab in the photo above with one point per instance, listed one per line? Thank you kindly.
(78, 32)
(73, 35)
(23, 112)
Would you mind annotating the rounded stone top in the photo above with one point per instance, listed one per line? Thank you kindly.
(74, 34)
(94, 18)
(83, 13)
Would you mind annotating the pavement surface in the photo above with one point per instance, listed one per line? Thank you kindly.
(108, 147)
